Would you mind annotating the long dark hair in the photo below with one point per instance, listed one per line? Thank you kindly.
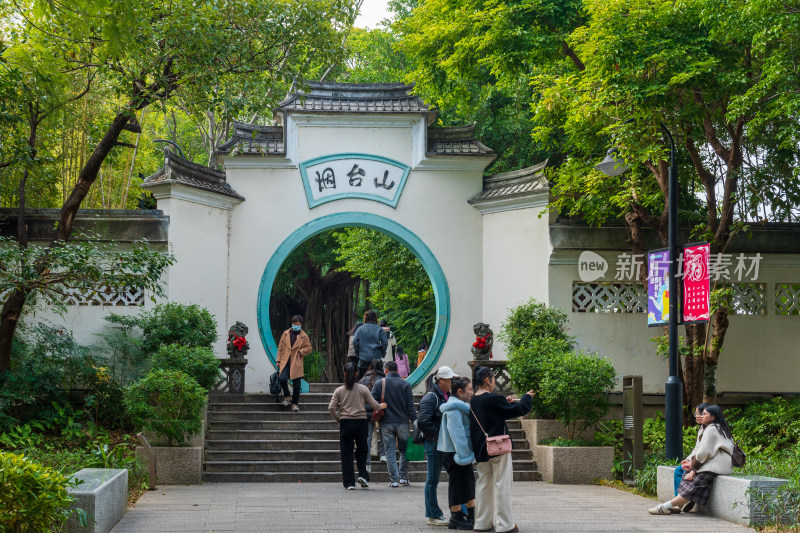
(481, 374)
(374, 367)
(350, 374)
(429, 382)
(719, 419)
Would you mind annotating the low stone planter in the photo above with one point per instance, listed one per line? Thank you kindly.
(730, 496)
(539, 429)
(103, 495)
(177, 466)
(574, 465)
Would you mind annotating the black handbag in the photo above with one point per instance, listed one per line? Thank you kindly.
(275, 385)
(417, 436)
(738, 458)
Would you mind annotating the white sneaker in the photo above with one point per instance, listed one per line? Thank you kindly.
(286, 401)
(363, 482)
(438, 521)
(404, 482)
(394, 484)
(383, 458)
(659, 509)
(351, 487)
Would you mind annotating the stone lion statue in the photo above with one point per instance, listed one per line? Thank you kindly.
(482, 347)
(237, 343)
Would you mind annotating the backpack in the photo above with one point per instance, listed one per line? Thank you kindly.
(738, 458)
(275, 386)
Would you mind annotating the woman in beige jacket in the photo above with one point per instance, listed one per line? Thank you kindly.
(710, 457)
(293, 346)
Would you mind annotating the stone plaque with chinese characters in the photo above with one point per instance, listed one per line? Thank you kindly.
(364, 176)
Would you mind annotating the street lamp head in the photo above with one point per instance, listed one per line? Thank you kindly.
(613, 164)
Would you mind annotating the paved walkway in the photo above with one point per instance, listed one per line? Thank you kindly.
(324, 507)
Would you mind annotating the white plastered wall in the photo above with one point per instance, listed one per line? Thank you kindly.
(516, 254)
(433, 206)
(759, 354)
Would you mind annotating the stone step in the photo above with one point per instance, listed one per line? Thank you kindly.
(300, 444)
(319, 466)
(286, 415)
(265, 407)
(257, 434)
(306, 455)
(378, 476)
(266, 428)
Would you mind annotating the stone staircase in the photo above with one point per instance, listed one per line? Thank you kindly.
(250, 437)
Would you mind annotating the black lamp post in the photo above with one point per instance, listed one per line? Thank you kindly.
(613, 165)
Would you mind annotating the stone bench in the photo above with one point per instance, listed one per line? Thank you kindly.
(730, 495)
(103, 495)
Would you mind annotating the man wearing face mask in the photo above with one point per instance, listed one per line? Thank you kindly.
(293, 346)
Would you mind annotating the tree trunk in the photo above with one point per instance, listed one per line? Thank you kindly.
(12, 310)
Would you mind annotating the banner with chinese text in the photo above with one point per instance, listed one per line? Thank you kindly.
(658, 287)
(696, 283)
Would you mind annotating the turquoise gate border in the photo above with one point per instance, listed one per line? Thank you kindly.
(361, 220)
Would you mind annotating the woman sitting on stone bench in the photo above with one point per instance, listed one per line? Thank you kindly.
(711, 457)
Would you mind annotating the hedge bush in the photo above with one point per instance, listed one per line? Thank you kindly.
(573, 387)
(33, 498)
(532, 321)
(198, 362)
(167, 402)
(171, 323)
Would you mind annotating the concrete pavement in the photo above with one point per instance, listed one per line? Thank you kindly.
(328, 507)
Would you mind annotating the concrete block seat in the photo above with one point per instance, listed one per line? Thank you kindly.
(730, 496)
(103, 495)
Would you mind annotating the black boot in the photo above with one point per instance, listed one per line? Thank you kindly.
(471, 515)
(458, 520)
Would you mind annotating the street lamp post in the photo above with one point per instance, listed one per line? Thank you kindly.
(613, 165)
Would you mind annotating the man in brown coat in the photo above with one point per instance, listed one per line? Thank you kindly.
(292, 348)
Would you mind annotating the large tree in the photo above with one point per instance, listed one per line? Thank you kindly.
(139, 53)
(718, 75)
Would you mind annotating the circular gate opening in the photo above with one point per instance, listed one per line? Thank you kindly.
(276, 271)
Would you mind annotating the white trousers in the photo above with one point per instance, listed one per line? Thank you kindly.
(493, 494)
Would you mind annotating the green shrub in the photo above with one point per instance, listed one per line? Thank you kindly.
(573, 388)
(655, 435)
(314, 366)
(200, 363)
(47, 366)
(167, 402)
(33, 498)
(525, 366)
(171, 323)
(647, 478)
(531, 321)
(768, 425)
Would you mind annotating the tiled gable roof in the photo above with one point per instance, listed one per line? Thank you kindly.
(515, 183)
(252, 139)
(459, 140)
(176, 169)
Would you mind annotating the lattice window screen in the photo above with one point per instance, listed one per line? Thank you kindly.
(103, 295)
(748, 298)
(787, 299)
(606, 297)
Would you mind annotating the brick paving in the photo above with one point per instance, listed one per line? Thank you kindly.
(328, 507)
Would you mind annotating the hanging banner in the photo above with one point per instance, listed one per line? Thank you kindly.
(658, 287)
(696, 284)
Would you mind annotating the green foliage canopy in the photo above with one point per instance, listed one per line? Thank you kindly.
(198, 362)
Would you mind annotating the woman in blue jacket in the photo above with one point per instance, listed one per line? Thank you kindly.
(456, 447)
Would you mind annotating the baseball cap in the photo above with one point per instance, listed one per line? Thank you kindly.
(445, 372)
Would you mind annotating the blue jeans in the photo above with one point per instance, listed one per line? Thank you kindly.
(435, 459)
(679, 471)
(395, 434)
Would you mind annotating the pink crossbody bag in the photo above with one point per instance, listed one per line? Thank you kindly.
(495, 446)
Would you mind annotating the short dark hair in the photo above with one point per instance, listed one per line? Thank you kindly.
(371, 317)
(390, 366)
(383, 322)
(297, 318)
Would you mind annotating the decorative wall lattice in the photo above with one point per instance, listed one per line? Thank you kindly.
(787, 298)
(748, 298)
(606, 297)
(102, 295)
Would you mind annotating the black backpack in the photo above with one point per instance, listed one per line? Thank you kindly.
(275, 386)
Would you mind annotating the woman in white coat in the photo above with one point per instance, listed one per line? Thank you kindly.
(710, 457)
